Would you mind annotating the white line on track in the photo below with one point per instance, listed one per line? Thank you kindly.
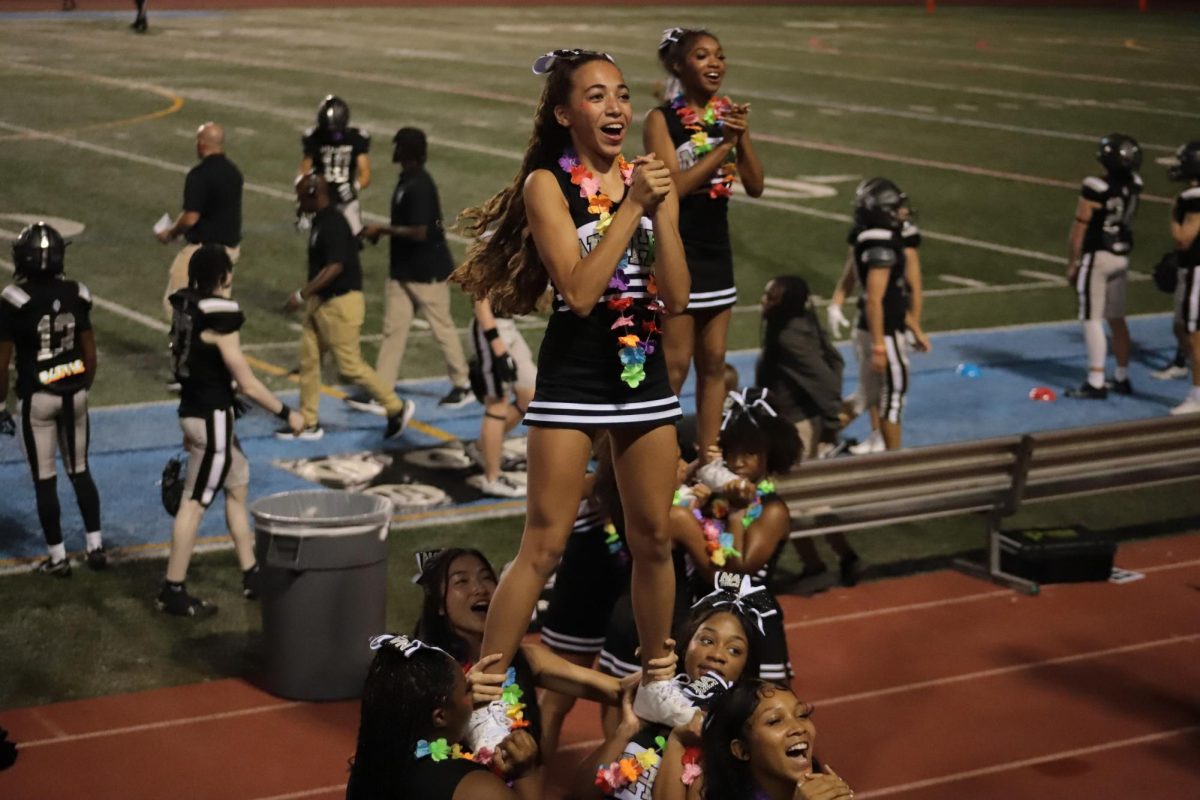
(338, 788)
(901, 609)
(155, 726)
(1013, 668)
(1029, 762)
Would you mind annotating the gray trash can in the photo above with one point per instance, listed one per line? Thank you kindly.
(323, 556)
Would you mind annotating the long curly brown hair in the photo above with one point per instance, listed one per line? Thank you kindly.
(503, 265)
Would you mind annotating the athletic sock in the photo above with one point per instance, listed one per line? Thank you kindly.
(1120, 374)
(1097, 350)
(94, 541)
(58, 552)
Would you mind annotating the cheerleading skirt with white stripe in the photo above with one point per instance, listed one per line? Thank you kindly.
(579, 382)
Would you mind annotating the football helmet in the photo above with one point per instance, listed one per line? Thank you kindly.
(1119, 153)
(877, 204)
(1187, 163)
(39, 250)
(333, 115)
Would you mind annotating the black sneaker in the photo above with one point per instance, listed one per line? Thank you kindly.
(97, 559)
(250, 582)
(175, 600)
(361, 401)
(309, 434)
(850, 568)
(1121, 387)
(59, 569)
(397, 423)
(1088, 392)
(457, 397)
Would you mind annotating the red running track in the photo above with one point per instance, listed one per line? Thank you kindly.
(934, 686)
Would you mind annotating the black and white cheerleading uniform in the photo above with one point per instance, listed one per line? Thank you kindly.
(703, 225)
(619, 655)
(1107, 242)
(774, 664)
(1187, 290)
(206, 398)
(426, 779)
(590, 578)
(883, 248)
(579, 371)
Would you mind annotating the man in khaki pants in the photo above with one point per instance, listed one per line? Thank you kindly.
(419, 263)
(212, 208)
(333, 314)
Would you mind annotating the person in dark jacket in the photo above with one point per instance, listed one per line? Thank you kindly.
(802, 373)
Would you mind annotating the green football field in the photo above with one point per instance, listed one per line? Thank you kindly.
(987, 117)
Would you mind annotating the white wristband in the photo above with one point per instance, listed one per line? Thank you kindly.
(299, 298)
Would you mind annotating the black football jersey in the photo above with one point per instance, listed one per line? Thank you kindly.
(336, 158)
(205, 382)
(43, 320)
(1188, 202)
(1110, 226)
(881, 248)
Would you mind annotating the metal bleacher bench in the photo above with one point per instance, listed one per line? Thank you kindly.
(991, 477)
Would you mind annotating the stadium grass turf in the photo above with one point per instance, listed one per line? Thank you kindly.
(857, 92)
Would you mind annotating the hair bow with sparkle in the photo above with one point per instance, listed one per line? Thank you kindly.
(543, 64)
(738, 591)
(745, 402)
(424, 559)
(669, 37)
(405, 644)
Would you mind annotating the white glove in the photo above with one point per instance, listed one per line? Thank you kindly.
(836, 320)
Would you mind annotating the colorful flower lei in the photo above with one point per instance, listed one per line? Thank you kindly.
(634, 349)
(721, 183)
(440, 750)
(614, 777)
(691, 766)
(510, 695)
(616, 547)
(717, 541)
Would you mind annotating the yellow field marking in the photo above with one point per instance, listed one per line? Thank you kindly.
(334, 392)
(1130, 44)
(175, 106)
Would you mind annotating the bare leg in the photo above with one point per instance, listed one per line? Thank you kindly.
(711, 336)
(183, 539)
(239, 525)
(558, 459)
(679, 331)
(644, 464)
(1194, 349)
(496, 413)
(891, 434)
(555, 706)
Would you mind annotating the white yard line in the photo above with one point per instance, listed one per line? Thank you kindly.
(115, 308)
(961, 281)
(1043, 276)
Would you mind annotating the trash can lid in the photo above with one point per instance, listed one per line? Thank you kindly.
(317, 511)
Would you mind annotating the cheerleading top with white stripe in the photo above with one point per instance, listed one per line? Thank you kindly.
(703, 225)
(579, 370)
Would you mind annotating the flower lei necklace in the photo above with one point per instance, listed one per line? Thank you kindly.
(510, 696)
(717, 540)
(614, 777)
(633, 348)
(721, 183)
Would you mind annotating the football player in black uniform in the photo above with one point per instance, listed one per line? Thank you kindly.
(879, 263)
(46, 320)
(1098, 264)
(339, 154)
(207, 355)
(1185, 231)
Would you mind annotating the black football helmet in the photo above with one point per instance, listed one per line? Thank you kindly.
(1187, 163)
(333, 115)
(877, 204)
(39, 250)
(1119, 153)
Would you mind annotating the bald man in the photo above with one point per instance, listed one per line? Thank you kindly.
(212, 207)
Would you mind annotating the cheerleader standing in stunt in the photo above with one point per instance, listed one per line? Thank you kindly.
(704, 140)
(605, 233)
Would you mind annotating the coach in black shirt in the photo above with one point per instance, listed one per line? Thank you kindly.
(212, 207)
(420, 263)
